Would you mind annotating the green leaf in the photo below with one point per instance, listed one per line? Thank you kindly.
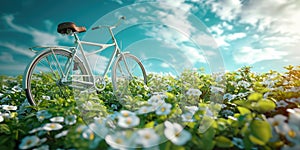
(4, 128)
(260, 132)
(264, 106)
(255, 97)
(150, 124)
(243, 110)
(223, 142)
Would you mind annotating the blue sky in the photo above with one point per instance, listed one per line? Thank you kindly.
(166, 35)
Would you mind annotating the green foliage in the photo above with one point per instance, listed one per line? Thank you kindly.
(233, 110)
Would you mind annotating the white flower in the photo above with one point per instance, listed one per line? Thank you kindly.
(61, 134)
(128, 122)
(176, 134)
(99, 127)
(144, 110)
(281, 103)
(294, 116)
(35, 130)
(278, 122)
(43, 114)
(292, 133)
(81, 128)
(193, 92)
(147, 137)
(192, 109)
(156, 100)
(10, 92)
(57, 119)
(244, 84)
(187, 117)
(215, 89)
(118, 140)
(126, 113)
(88, 134)
(294, 100)
(163, 109)
(242, 94)
(1, 118)
(17, 88)
(43, 147)
(46, 97)
(229, 96)
(70, 120)
(29, 142)
(9, 107)
(52, 126)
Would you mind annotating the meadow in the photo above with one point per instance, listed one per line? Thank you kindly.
(233, 110)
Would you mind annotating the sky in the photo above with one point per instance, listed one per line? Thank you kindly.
(166, 35)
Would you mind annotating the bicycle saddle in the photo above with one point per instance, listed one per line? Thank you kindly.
(63, 28)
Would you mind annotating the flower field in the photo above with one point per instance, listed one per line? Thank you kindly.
(232, 110)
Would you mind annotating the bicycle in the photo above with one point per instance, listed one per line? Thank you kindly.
(56, 70)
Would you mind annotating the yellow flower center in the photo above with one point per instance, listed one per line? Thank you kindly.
(52, 126)
(292, 133)
(125, 114)
(163, 109)
(177, 134)
(147, 136)
(275, 123)
(119, 141)
(92, 136)
(28, 142)
(128, 121)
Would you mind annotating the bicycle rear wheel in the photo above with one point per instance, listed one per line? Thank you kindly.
(44, 76)
(128, 73)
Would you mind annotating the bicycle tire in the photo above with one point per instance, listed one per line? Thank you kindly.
(121, 80)
(42, 85)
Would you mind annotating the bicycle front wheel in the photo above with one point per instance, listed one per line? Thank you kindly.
(128, 73)
(44, 76)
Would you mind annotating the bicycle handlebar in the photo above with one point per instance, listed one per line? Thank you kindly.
(112, 26)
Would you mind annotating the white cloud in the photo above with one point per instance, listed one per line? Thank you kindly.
(217, 29)
(209, 40)
(118, 1)
(283, 40)
(6, 57)
(18, 49)
(225, 9)
(235, 36)
(165, 65)
(249, 55)
(176, 15)
(276, 15)
(227, 26)
(39, 37)
(221, 38)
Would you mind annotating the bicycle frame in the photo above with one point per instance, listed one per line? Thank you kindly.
(85, 55)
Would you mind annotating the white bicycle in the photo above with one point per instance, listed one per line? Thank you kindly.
(56, 70)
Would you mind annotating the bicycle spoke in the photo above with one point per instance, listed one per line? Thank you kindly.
(45, 76)
(52, 70)
(57, 63)
(125, 71)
